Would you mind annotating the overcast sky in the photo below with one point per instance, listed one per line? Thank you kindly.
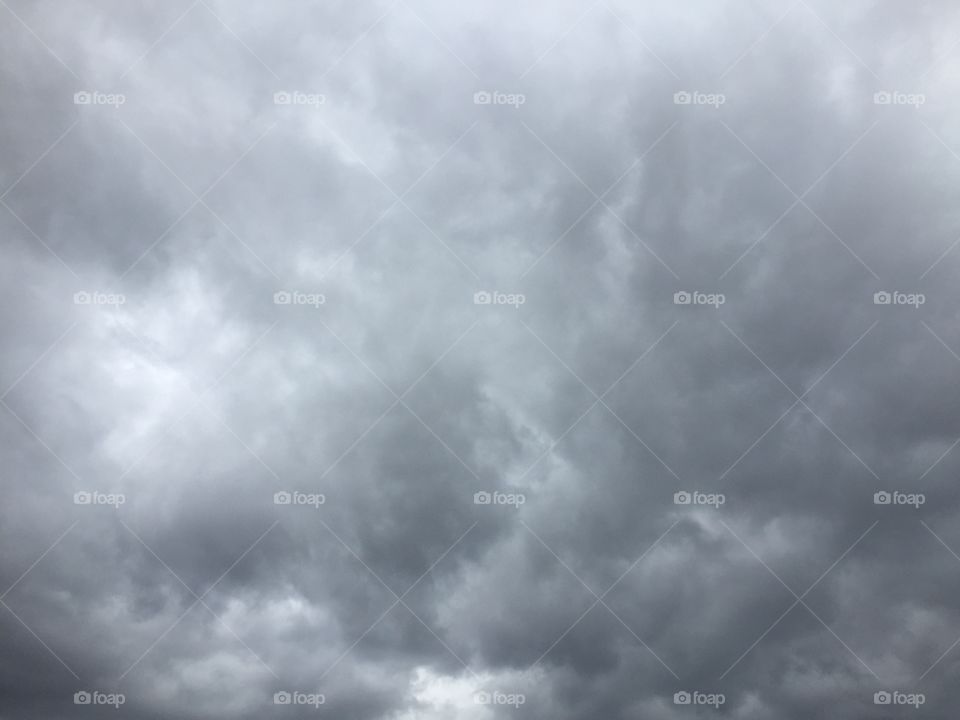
(429, 360)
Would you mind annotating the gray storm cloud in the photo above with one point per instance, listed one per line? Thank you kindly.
(431, 360)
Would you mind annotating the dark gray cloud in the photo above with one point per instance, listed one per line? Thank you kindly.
(564, 357)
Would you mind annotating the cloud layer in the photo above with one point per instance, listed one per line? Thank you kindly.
(474, 361)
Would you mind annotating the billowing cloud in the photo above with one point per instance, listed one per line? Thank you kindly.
(430, 360)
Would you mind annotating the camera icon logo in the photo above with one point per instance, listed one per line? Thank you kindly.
(883, 97)
(482, 298)
(682, 498)
(482, 98)
(282, 297)
(882, 298)
(682, 298)
(882, 498)
(282, 98)
(282, 698)
(82, 98)
(682, 98)
(882, 698)
(482, 498)
(81, 298)
(82, 498)
(282, 498)
(482, 697)
(82, 698)
(681, 698)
